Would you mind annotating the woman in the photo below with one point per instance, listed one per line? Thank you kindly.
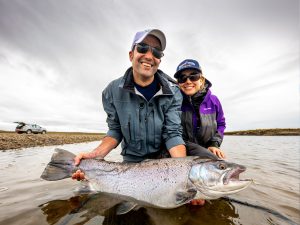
(202, 117)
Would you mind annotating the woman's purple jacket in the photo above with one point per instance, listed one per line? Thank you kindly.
(209, 130)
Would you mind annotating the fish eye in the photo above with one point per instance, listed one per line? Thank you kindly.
(222, 166)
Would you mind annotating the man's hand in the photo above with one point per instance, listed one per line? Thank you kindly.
(218, 152)
(78, 175)
(106, 145)
(80, 156)
(197, 202)
(178, 151)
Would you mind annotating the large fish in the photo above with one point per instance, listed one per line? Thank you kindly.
(162, 183)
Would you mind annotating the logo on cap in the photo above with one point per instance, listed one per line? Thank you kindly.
(186, 64)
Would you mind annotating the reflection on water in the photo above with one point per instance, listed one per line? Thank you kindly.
(273, 162)
(102, 208)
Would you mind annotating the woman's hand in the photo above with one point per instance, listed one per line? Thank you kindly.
(218, 152)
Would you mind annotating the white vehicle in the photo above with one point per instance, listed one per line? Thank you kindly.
(29, 128)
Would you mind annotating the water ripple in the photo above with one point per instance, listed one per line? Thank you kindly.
(2, 189)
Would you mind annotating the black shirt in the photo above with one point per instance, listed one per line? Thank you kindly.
(150, 90)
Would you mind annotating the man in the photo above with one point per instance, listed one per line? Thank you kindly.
(143, 107)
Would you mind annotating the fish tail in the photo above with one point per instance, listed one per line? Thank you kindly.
(60, 167)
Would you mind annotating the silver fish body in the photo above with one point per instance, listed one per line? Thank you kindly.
(163, 183)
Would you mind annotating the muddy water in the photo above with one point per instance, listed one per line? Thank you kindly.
(273, 162)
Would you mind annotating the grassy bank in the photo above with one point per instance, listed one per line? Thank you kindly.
(12, 140)
(267, 132)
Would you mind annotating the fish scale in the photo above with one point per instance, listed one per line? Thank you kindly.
(132, 180)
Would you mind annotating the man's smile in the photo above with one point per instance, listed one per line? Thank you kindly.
(146, 64)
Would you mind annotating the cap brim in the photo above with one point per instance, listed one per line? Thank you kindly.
(176, 75)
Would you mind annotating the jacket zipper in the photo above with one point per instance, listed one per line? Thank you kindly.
(194, 113)
(129, 128)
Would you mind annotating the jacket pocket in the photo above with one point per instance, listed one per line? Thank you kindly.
(135, 148)
(131, 144)
(127, 130)
(207, 128)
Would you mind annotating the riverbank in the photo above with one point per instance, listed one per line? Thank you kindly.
(267, 132)
(12, 140)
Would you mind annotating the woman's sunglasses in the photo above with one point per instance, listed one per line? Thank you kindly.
(192, 77)
(144, 48)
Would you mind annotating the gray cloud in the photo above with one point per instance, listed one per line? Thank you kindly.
(70, 50)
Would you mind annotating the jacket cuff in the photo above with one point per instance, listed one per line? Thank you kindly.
(115, 135)
(214, 144)
(172, 142)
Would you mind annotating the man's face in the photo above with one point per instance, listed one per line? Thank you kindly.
(145, 65)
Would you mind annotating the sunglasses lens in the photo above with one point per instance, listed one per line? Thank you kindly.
(182, 79)
(143, 49)
(157, 53)
(192, 77)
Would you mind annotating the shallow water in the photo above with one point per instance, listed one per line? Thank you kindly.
(273, 162)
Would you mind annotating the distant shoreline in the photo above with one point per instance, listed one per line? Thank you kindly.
(267, 132)
(12, 140)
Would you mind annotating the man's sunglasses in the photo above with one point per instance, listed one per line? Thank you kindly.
(192, 77)
(144, 48)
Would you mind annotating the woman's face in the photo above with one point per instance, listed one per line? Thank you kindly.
(193, 82)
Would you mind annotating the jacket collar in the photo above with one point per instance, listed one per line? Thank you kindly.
(164, 80)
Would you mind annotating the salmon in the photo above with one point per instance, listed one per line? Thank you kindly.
(161, 183)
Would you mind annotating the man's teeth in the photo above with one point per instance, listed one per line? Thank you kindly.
(146, 64)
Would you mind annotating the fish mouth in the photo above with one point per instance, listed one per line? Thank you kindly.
(234, 176)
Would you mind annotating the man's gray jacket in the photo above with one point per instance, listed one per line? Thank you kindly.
(144, 127)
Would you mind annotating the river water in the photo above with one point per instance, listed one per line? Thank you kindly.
(274, 199)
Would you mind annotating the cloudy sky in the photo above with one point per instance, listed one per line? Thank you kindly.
(57, 56)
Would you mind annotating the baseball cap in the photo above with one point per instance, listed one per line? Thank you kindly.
(187, 64)
(141, 35)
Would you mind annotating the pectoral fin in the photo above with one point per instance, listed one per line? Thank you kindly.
(125, 207)
(183, 197)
